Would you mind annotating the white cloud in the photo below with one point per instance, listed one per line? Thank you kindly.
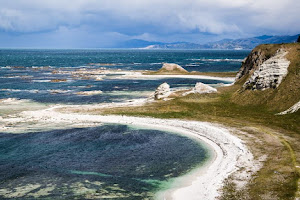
(156, 18)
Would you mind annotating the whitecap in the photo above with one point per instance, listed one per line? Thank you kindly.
(41, 81)
(13, 101)
(217, 59)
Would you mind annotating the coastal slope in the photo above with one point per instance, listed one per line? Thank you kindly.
(270, 76)
(268, 83)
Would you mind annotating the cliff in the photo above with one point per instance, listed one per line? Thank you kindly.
(269, 73)
(270, 76)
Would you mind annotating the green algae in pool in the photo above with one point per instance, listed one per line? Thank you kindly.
(109, 161)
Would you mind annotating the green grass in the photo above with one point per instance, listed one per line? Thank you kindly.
(218, 108)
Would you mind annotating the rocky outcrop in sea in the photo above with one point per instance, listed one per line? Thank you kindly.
(171, 67)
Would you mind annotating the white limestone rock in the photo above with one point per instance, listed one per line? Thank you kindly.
(250, 63)
(173, 67)
(292, 109)
(162, 91)
(270, 73)
(201, 88)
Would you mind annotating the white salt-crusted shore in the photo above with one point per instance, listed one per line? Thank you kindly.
(230, 154)
(292, 109)
(99, 74)
(139, 75)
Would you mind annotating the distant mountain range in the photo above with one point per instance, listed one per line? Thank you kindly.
(245, 43)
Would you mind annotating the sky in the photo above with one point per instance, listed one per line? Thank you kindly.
(107, 23)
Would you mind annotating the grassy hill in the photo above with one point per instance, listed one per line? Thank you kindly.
(287, 93)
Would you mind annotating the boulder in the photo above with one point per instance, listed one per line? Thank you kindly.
(162, 91)
(298, 39)
(201, 88)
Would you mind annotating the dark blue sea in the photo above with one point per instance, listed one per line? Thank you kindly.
(31, 74)
(114, 161)
(111, 161)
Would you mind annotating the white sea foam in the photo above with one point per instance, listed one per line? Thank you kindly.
(41, 81)
(13, 101)
(38, 91)
(155, 63)
(18, 90)
(59, 91)
(217, 59)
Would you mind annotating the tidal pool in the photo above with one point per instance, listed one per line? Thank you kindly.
(109, 161)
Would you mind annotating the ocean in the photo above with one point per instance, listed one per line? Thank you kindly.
(31, 74)
(111, 161)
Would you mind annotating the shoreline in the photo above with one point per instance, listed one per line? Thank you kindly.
(140, 75)
(230, 152)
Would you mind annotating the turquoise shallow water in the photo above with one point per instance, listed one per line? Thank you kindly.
(110, 160)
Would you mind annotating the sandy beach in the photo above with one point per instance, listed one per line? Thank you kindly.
(230, 154)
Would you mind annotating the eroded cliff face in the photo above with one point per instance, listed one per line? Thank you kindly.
(270, 76)
(270, 73)
(264, 72)
(255, 59)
